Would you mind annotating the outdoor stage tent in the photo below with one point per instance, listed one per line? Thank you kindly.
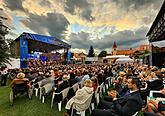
(28, 42)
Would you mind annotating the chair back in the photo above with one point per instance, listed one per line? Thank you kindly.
(65, 92)
(75, 87)
(101, 87)
(97, 90)
(83, 106)
(47, 88)
(21, 86)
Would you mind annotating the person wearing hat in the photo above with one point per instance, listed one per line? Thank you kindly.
(22, 82)
(20, 79)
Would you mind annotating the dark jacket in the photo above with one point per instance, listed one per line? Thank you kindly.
(129, 104)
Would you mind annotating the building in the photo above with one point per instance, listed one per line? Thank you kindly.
(79, 57)
(115, 51)
(141, 48)
(144, 48)
(156, 34)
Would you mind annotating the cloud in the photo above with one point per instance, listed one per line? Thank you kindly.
(14, 5)
(79, 7)
(54, 23)
(45, 3)
(125, 39)
(137, 4)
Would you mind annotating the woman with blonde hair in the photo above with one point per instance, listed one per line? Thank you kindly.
(81, 100)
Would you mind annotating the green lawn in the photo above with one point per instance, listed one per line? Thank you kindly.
(25, 107)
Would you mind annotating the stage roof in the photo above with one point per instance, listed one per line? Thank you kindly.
(43, 43)
(157, 33)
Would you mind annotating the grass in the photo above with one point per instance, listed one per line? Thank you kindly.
(25, 107)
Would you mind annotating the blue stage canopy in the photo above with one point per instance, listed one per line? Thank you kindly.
(30, 43)
(45, 39)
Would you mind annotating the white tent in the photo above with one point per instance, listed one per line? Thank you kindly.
(114, 57)
(15, 63)
(124, 60)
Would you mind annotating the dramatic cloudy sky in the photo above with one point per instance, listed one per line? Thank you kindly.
(83, 23)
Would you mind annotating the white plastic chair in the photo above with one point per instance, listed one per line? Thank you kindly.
(135, 114)
(45, 90)
(81, 83)
(95, 99)
(75, 87)
(86, 103)
(106, 83)
(64, 95)
(36, 89)
(109, 81)
(99, 93)
(158, 98)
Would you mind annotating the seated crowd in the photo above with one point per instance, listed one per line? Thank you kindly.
(131, 84)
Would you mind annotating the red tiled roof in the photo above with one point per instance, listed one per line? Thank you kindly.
(79, 55)
(124, 52)
(144, 47)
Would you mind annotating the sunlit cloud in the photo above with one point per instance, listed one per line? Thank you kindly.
(83, 22)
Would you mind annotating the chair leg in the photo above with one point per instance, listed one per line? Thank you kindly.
(104, 88)
(82, 113)
(40, 93)
(97, 98)
(90, 111)
(59, 106)
(107, 86)
(53, 95)
(101, 94)
(109, 83)
(72, 112)
(43, 99)
(36, 91)
(93, 106)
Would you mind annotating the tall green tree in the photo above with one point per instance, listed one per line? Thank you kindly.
(4, 51)
(102, 54)
(91, 52)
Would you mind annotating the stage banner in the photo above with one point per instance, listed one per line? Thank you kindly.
(23, 52)
(69, 56)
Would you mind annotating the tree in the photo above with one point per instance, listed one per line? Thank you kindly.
(4, 48)
(91, 52)
(102, 54)
(4, 51)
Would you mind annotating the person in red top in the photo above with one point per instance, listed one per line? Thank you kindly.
(94, 83)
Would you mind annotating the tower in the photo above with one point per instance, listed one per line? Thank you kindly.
(114, 49)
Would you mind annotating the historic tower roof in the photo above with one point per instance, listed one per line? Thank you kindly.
(114, 45)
